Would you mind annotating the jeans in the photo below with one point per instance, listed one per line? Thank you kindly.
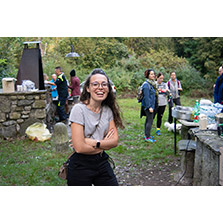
(88, 170)
(159, 113)
(61, 109)
(176, 101)
(148, 122)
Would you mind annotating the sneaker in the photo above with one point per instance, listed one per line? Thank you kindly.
(158, 132)
(150, 140)
(152, 137)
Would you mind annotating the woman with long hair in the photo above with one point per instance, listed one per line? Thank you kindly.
(149, 102)
(94, 123)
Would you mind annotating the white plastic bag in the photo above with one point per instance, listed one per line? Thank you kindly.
(38, 132)
(28, 85)
(210, 110)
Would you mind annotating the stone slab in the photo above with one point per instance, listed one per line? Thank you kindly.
(8, 132)
(5, 104)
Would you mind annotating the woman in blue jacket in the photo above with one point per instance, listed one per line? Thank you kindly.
(218, 90)
(149, 102)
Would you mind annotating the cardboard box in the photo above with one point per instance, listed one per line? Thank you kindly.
(8, 84)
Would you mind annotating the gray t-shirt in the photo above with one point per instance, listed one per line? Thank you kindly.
(82, 115)
(162, 96)
(174, 88)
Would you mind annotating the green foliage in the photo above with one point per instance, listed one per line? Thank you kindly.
(124, 59)
(164, 59)
(6, 71)
(10, 52)
(104, 54)
(131, 73)
(140, 45)
(203, 53)
(25, 162)
(190, 78)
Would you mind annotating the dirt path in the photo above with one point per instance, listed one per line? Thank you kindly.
(146, 174)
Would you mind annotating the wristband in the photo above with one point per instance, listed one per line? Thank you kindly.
(98, 144)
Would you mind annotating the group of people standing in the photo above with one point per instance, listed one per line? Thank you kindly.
(59, 90)
(155, 95)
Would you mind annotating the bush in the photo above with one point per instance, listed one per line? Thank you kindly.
(129, 74)
(190, 78)
(110, 54)
(6, 71)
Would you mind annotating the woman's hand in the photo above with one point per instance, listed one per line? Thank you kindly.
(90, 142)
(110, 134)
(151, 110)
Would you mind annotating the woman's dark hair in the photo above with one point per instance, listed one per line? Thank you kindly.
(147, 72)
(73, 73)
(110, 101)
(172, 72)
(159, 74)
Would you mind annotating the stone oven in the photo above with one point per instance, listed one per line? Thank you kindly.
(18, 110)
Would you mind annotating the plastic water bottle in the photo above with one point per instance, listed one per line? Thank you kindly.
(196, 111)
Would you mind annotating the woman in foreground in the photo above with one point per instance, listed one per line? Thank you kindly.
(94, 123)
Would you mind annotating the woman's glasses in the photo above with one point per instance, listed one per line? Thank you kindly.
(97, 85)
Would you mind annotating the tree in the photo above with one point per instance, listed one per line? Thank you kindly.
(204, 53)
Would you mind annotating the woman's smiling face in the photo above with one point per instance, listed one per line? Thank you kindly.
(98, 87)
(151, 75)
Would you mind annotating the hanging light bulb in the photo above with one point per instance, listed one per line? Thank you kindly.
(72, 53)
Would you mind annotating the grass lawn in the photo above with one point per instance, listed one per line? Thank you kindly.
(25, 162)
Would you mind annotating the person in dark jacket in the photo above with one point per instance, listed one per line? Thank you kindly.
(62, 90)
(218, 90)
(75, 86)
(149, 101)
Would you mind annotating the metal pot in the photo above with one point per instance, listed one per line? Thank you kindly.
(219, 118)
(182, 112)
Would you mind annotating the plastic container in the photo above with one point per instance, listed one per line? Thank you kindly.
(196, 111)
(8, 84)
(203, 121)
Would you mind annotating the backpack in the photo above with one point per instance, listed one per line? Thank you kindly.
(168, 83)
(140, 93)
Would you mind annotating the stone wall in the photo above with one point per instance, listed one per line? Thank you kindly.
(18, 110)
(207, 158)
